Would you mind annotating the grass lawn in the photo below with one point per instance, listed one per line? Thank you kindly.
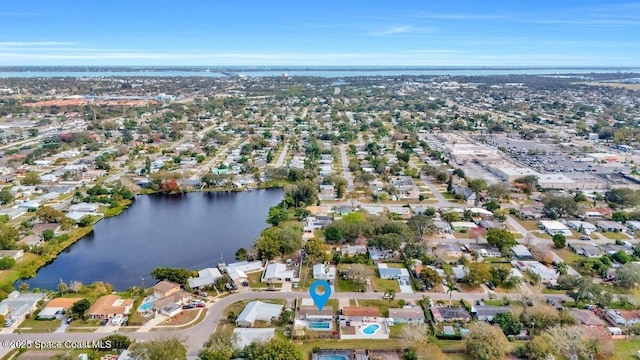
(254, 280)
(626, 349)
(305, 347)
(383, 284)
(567, 255)
(460, 234)
(306, 278)
(36, 326)
(383, 305)
(530, 225)
(347, 285)
(183, 318)
(615, 235)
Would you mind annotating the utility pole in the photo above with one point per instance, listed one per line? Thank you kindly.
(142, 278)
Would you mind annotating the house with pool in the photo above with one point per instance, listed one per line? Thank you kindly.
(357, 322)
(310, 318)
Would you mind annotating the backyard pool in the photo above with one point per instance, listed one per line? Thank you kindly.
(320, 325)
(145, 306)
(332, 357)
(370, 329)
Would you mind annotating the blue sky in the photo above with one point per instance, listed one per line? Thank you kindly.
(340, 33)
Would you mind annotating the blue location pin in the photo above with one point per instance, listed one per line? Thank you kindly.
(320, 299)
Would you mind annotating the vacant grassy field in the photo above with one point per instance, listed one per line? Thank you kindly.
(348, 285)
(615, 235)
(382, 285)
(567, 255)
(626, 349)
(36, 326)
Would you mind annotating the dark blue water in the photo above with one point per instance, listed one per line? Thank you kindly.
(190, 230)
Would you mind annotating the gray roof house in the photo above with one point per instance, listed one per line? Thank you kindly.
(17, 306)
(258, 311)
(205, 277)
(483, 313)
(393, 273)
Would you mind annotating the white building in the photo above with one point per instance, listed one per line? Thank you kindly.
(276, 272)
(553, 227)
(324, 272)
(258, 311)
(205, 277)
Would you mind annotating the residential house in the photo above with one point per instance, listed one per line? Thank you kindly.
(553, 227)
(484, 250)
(443, 226)
(276, 272)
(165, 288)
(169, 304)
(490, 224)
(611, 249)
(521, 252)
(463, 226)
(545, 273)
(238, 271)
(449, 314)
(359, 313)
(459, 272)
(324, 272)
(258, 311)
(449, 250)
(632, 226)
(17, 306)
(530, 213)
(480, 212)
(585, 249)
(611, 226)
(622, 317)
(393, 273)
(13, 213)
(84, 208)
(327, 192)
(582, 226)
(309, 311)
(30, 240)
(11, 254)
(108, 306)
(56, 307)
(468, 195)
(206, 277)
(487, 313)
(351, 250)
(39, 228)
(376, 254)
(407, 315)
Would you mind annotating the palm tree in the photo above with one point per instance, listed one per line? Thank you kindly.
(391, 293)
(562, 268)
(451, 287)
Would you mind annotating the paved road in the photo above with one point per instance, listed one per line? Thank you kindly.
(345, 168)
(283, 154)
(195, 337)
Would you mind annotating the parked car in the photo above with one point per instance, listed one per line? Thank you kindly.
(69, 320)
(199, 305)
(188, 306)
(104, 322)
(9, 322)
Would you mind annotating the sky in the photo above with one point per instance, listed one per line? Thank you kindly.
(320, 33)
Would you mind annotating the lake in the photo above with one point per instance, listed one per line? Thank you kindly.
(192, 230)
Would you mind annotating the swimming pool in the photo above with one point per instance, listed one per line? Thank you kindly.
(145, 306)
(332, 357)
(370, 329)
(320, 325)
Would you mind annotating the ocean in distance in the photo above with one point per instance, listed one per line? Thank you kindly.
(328, 72)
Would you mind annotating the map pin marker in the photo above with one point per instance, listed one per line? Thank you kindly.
(320, 299)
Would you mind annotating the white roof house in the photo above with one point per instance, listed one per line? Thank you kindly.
(84, 207)
(276, 272)
(459, 225)
(205, 277)
(545, 273)
(554, 227)
(393, 273)
(587, 227)
(258, 310)
(324, 272)
(633, 225)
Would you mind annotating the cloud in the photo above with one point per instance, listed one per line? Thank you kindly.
(33, 43)
(403, 29)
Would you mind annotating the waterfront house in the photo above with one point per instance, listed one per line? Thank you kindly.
(276, 273)
(11, 254)
(56, 306)
(165, 288)
(108, 306)
(17, 306)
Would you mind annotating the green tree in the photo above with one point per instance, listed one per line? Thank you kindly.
(509, 323)
(85, 221)
(7, 263)
(5, 197)
(171, 348)
(559, 241)
(116, 342)
(502, 239)
(8, 237)
(333, 234)
(536, 349)
(478, 273)
(50, 215)
(486, 342)
(80, 307)
(221, 345)
(242, 254)
(48, 235)
(267, 248)
(422, 226)
(31, 178)
(559, 206)
(451, 216)
(315, 250)
(477, 185)
(429, 276)
(499, 191)
(624, 197)
(274, 349)
(450, 185)
(177, 275)
(500, 274)
(628, 276)
(277, 215)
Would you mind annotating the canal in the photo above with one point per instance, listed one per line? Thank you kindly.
(192, 230)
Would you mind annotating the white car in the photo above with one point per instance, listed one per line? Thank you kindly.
(117, 320)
